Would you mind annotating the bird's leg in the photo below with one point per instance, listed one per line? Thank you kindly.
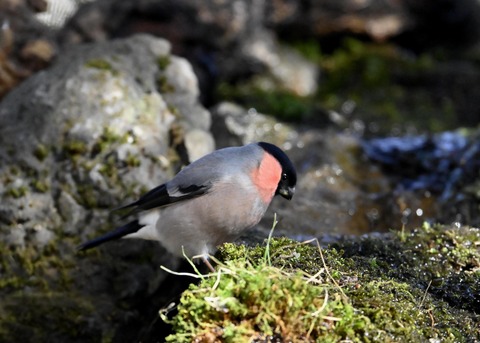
(207, 262)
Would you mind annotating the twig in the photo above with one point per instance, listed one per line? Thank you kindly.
(425, 294)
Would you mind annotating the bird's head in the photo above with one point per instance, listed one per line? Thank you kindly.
(288, 178)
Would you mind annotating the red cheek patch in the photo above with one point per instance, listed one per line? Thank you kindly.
(267, 176)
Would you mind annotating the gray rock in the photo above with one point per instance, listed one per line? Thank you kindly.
(94, 128)
(224, 41)
(235, 125)
(198, 143)
(285, 68)
(87, 135)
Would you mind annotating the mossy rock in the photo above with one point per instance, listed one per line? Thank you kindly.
(364, 290)
(40, 317)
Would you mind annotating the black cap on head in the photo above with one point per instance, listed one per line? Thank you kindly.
(288, 180)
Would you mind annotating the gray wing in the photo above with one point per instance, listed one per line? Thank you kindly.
(193, 181)
(160, 197)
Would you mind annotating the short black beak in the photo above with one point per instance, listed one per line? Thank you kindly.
(287, 193)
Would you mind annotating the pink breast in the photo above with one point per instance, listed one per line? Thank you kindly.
(267, 176)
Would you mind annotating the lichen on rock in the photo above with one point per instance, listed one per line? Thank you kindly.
(85, 136)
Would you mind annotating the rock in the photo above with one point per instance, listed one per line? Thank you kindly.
(182, 94)
(72, 212)
(285, 68)
(38, 53)
(234, 125)
(73, 119)
(224, 42)
(78, 139)
(26, 45)
(378, 19)
(198, 143)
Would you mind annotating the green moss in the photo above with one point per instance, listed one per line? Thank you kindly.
(17, 192)
(164, 86)
(41, 186)
(386, 85)
(32, 317)
(377, 83)
(280, 103)
(14, 170)
(310, 49)
(374, 291)
(87, 195)
(75, 147)
(448, 258)
(249, 302)
(132, 160)
(163, 62)
(111, 137)
(41, 152)
(38, 303)
(109, 168)
(31, 267)
(173, 110)
(101, 64)
(107, 139)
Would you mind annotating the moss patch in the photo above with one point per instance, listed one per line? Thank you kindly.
(389, 89)
(164, 86)
(41, 152)
(39, 302)
(101, 64)
(163, 62)
(280, 103)
(107, 139)
(386, 86)
(75, 147)
(63, 317)
(368, 290)
(248, 302)
(17, 192)
(446, 258)
(41, 186)
(32, 268)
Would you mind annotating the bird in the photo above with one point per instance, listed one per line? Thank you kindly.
(210, 201)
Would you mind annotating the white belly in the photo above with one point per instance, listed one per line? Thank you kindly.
(199, 225)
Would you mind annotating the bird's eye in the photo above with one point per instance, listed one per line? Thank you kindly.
(284, 177)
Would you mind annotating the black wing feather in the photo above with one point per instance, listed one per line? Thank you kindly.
(159, 197)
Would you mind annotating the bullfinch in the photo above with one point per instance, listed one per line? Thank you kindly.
(209, 202)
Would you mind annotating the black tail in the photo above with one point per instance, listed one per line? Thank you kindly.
(119, 232)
